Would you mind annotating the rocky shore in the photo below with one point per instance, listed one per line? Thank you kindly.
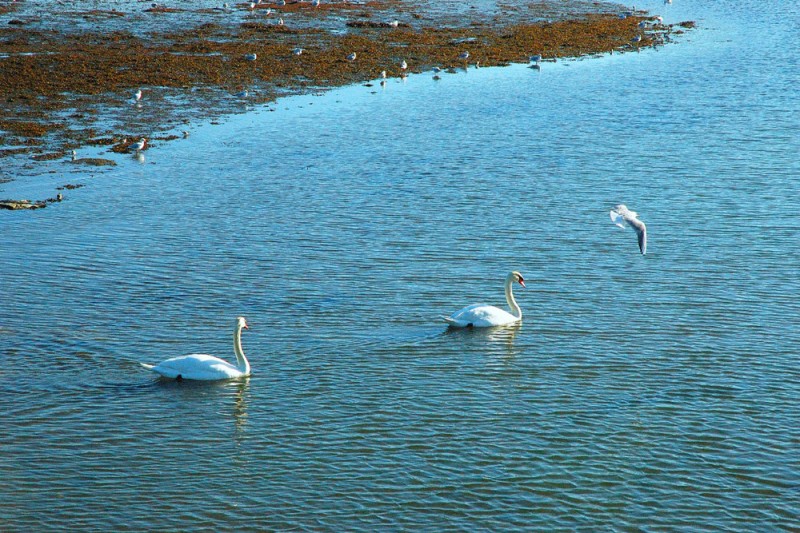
(71, 79)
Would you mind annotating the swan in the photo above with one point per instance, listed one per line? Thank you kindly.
(484, 316)
(205, 367)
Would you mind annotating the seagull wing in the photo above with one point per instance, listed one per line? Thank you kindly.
(641, 233)
(617, 219)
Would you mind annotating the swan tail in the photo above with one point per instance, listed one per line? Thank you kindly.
(148, 367)
(451, 322)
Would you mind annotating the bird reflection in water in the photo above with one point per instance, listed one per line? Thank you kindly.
(495, 339)
(240, 407)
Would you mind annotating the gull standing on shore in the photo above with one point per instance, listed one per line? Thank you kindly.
(351, 57)
(137, 95)
(139, 146)
(621, 216)
(250, 57)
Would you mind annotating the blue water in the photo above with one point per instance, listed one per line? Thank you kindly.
(653, 392)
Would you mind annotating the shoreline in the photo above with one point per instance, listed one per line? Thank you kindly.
(67, 89)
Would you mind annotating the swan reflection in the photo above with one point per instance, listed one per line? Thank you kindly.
(494, 339)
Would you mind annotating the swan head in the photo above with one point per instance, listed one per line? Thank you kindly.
(516, 276)
(241, 323)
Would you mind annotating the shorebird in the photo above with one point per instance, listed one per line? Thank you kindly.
(74, 155)
(621, 216)
(394, 23)
(637, 39)
(137, 95)
(404, 65)
(351, 57)
(139, 146)
(315, 3)
(280, 22)
(252, 6)
(464, 55)
(281, 2)
(241, 94)
(383, 74)
(298, 51)
(250, 57)
(659, 20)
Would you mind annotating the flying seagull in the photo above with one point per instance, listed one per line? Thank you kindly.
(621, 215)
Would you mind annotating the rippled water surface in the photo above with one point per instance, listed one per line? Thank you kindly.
(654, 393)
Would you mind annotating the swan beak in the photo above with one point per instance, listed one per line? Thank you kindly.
(522, 282)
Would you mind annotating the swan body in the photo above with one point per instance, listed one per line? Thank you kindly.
(484, 316)
(204, 367)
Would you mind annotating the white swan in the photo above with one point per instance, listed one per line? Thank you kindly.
(205, 367)
(484, 316)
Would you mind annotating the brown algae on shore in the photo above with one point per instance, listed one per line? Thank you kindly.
(60, 87)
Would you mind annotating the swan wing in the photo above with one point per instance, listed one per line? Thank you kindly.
(481, 316)
(197, 366)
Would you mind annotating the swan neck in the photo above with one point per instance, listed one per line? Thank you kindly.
(241, 361)
(512, 303)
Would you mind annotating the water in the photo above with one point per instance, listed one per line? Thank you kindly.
(639, 393)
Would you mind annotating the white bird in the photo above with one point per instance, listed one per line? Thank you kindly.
(280, 21)
(315, 3)
(464, 55)
(250, 57)
(206, 367)
(281, 2)
(404, 65)
(383, 74)
(394, 23)
(636, 39)
(139, 146)
(298, 51)
(241, 94)
(436, 70)
(535, 58)
(483, 316)
(137, 95)
(74, 155)
(659, 19)
(621, 216)
(351, 57)
(268, 12)
(252, 6)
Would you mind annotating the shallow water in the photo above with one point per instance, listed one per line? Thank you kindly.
(654, 392)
